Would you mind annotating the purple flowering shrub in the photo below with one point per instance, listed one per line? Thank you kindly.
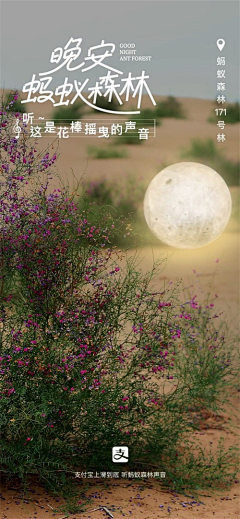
(92, 356)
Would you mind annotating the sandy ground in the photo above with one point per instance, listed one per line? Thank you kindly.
(125, 499)
(215, 266)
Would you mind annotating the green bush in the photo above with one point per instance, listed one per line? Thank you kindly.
(107, 153)
(102, 102)
(232, 113)
(205, 149)
(148, 115)
(121, 200)
(170, 108)
(67, 114)
(232, 116)
(206, 152)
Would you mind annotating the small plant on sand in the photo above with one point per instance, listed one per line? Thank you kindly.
(207, 152)
(102, 102)
(232, 116)
(107, 153)
(67, 114)
(129, 138)
(92, 355)
(170, 108)
(146, 118)
(205, 149)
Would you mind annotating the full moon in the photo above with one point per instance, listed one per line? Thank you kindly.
(187, 205)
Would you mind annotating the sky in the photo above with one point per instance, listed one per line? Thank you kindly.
(179, 35)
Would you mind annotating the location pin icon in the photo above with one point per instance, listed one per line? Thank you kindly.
(221, 44)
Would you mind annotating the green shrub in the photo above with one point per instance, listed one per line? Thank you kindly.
(124, 196)
(206, 152)
(102, 102)
(121, 200)
(205, 149)
(107, 153)
(148, 115)
(232, 113)
(232, 116)
(170, 108)
(67, 114)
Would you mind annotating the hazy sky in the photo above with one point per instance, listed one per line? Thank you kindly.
(179, 35)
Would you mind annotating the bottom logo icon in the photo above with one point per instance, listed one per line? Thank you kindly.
(120, 454)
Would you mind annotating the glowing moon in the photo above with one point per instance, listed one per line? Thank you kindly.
(187, 205)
